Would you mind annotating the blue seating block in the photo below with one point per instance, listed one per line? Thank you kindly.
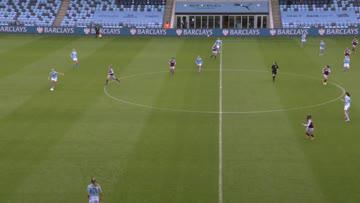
(321, 13)
(113, 13)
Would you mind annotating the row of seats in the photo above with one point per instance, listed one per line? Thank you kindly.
(128, 13)
(320, 13)
(115, 13)
(142, 2)
(305, 2)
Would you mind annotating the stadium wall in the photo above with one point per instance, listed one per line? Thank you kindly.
(40, 30)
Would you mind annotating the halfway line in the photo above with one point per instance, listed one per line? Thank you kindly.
(220, 130)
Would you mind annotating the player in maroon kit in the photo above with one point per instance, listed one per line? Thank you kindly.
(326, 73)
(309, 127)
(111, 75)
(347, 52)
(214, 51)
(354, 43)
(172, 64)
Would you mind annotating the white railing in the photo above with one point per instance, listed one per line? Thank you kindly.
(172, 21)
(271, 17)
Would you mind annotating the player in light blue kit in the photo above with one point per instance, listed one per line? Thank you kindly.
(53, 77)
(199, 63)
(322, 47)
(218, 43)
(74, 58)
(94, 191)
(346, 63)
(347, 102)
(303, 39)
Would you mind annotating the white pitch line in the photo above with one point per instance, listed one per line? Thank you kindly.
(228, 112)
(220, 129)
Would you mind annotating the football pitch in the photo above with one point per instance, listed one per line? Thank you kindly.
(227, 134)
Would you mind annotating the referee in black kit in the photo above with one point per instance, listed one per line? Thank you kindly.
(274, 69)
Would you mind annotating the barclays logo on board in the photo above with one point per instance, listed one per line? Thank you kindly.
(339, 31)
(195, 32)
(106, 31)
(13, 29)
(244, 32)
(148, 31)
(55, 30)
(288, 31)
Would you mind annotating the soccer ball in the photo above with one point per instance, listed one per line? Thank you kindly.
(52, 89)
(100, 35)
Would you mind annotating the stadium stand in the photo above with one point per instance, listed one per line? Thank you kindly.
(202, 1)
(115, 13)
(29, 12)
(320, 13)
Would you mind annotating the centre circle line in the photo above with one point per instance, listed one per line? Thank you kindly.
(106, 92)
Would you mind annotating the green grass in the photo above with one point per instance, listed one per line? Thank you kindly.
(52, 143)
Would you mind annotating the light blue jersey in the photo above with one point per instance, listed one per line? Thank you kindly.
(94, 191)
(53, 75)
(347, 60)
(199, 61)
(322, 44)
(74, 55)
(218, 43)
(347, 100)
